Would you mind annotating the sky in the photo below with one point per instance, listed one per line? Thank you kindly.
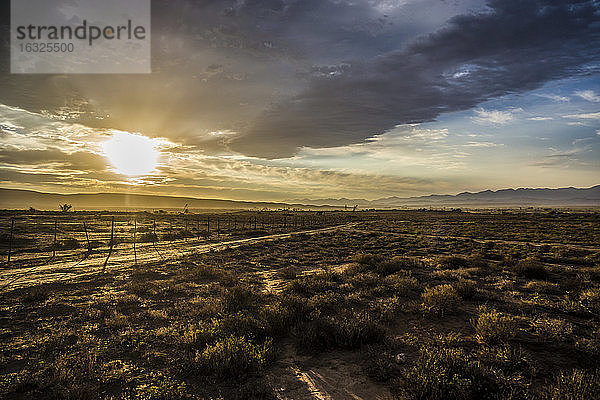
(309, 99)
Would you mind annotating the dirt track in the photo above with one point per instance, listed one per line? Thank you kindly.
(74, 268)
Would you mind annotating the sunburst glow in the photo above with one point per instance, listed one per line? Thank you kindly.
(131, 154)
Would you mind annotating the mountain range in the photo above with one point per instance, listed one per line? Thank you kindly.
(522, 197)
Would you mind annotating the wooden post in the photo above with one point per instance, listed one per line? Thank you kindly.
(112, 241)
(54, 244)
(134, 240)
(87, 237)
(154, 237)
(12, 227)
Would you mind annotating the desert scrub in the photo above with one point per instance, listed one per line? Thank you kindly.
(239, 298)
(382, 266)
(349, 331)
(448, 374)
(590, 299)
(440, 300)
(289, 272)
(357, 329)
(577, 384)
(465, 288)
(402, 283)
(36, 294)
(451, 262)
(552, 328)
(542, 287)
(316, 283)
(530, 268)
(493, 327)
(161, 388)
(234, 356)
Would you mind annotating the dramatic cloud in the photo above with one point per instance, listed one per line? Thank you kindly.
(513, 46)
(279, 99)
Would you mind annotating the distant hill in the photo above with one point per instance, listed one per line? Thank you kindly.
(23, 199)
(564, 197)
(522, 197)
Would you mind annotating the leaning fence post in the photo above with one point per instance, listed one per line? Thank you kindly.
(54, 244)
(87, 238)
(134, 240)
(12, 226)
(112, 237)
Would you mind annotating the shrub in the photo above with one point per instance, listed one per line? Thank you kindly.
(349, 332)
(36, 294)
(530, 268)
(147, 237)
(289, 272)
(278, 319)
(381, 266)
(574, 385)
(550, 328)
(442, 299)
(465, 288)
(358, 329)
(403, 284)
(452, 262)
(493, 327)
(367, 259)
(590, 299)
(161, 388)
(234, 356)
(448, 374)
(238, 298)
(316, 335)
(199, 335)
(315, 283)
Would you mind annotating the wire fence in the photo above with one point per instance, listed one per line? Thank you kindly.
(26, 236)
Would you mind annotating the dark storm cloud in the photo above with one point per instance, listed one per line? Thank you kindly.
(514, 46)
(289, 73)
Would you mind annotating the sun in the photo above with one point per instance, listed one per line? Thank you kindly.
(131, 154)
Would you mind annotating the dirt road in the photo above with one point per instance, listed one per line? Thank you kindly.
(76, 267)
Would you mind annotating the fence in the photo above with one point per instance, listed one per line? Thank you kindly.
(32, 234)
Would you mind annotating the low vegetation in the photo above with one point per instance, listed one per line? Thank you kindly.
(386, 303)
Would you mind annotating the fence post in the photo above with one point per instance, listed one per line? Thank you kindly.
(12, 226)
(112, 240)
(134, 240)
(54, 244)
(87, 237)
